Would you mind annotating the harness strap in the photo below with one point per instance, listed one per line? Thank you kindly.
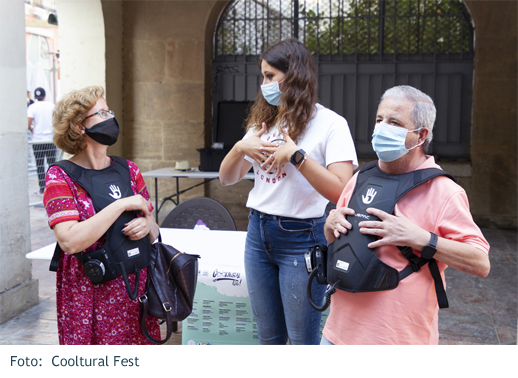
(415, 265)
(412, 258)
(80, 175)
(442, 299)
(54, 263)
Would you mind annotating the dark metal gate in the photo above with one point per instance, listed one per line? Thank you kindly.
(362, 47)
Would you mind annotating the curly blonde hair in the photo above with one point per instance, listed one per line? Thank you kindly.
(297, 105)
(70, 111)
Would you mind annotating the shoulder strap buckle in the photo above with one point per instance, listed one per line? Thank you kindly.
(412, 258)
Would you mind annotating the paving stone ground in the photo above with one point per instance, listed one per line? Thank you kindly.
(482, 311)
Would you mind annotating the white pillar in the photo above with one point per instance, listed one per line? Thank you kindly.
(18, 291)
(91, 52)
(82, 44)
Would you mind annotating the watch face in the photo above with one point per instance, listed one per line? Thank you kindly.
(297, 157)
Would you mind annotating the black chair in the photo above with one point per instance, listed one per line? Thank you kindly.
(210, 211)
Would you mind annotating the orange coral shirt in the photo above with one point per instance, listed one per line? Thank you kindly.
(409, 313)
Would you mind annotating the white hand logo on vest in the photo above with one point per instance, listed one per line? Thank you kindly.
(371, 193)
(116, 192)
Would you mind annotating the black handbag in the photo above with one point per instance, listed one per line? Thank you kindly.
(170, 287)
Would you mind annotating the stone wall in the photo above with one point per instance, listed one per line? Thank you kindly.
(167, 95)
(494, 138)
(167, 100)
(167, 55)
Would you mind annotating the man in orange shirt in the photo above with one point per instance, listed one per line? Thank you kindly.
(407, 314)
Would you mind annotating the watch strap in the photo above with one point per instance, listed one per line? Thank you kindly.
(302, 162)
(433, 240)
(429, 250)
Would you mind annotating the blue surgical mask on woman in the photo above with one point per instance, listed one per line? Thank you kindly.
(389, 141)
(272, 92)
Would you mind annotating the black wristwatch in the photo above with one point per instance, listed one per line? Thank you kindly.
(429, 250)
(297, 156)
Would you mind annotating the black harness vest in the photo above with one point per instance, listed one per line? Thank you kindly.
(348, 263)
(119, 255)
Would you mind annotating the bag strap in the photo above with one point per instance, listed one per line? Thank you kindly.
(144, 309)
(172, 326)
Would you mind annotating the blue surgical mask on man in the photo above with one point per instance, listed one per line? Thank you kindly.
(272, 92)
(388, 141)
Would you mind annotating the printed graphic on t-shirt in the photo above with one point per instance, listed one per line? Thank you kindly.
(273, 139)
(268, 178)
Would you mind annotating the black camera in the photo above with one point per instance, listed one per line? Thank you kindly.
(95, 270)
(96, 266)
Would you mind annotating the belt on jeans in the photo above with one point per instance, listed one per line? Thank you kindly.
(270, 216)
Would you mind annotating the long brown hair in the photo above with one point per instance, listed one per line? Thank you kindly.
(297, 103)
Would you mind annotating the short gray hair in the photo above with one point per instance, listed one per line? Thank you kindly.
(424, 112)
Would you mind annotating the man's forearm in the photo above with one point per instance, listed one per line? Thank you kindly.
(463, 257)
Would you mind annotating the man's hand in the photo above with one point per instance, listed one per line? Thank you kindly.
(394, 230)
(400, 231)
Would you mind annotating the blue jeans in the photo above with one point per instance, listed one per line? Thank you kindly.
(276, 278)
(325, 341)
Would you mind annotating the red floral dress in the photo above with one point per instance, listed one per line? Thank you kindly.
(88, 313)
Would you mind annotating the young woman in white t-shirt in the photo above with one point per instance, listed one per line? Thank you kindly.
(302, 156)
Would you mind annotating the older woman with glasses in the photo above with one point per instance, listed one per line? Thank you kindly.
(89, 313)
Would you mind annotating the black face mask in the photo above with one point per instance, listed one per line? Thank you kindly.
(105, 132)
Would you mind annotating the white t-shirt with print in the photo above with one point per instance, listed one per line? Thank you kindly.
(41, 112)
(327, 140)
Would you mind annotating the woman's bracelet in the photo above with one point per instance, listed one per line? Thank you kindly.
(302, 162)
